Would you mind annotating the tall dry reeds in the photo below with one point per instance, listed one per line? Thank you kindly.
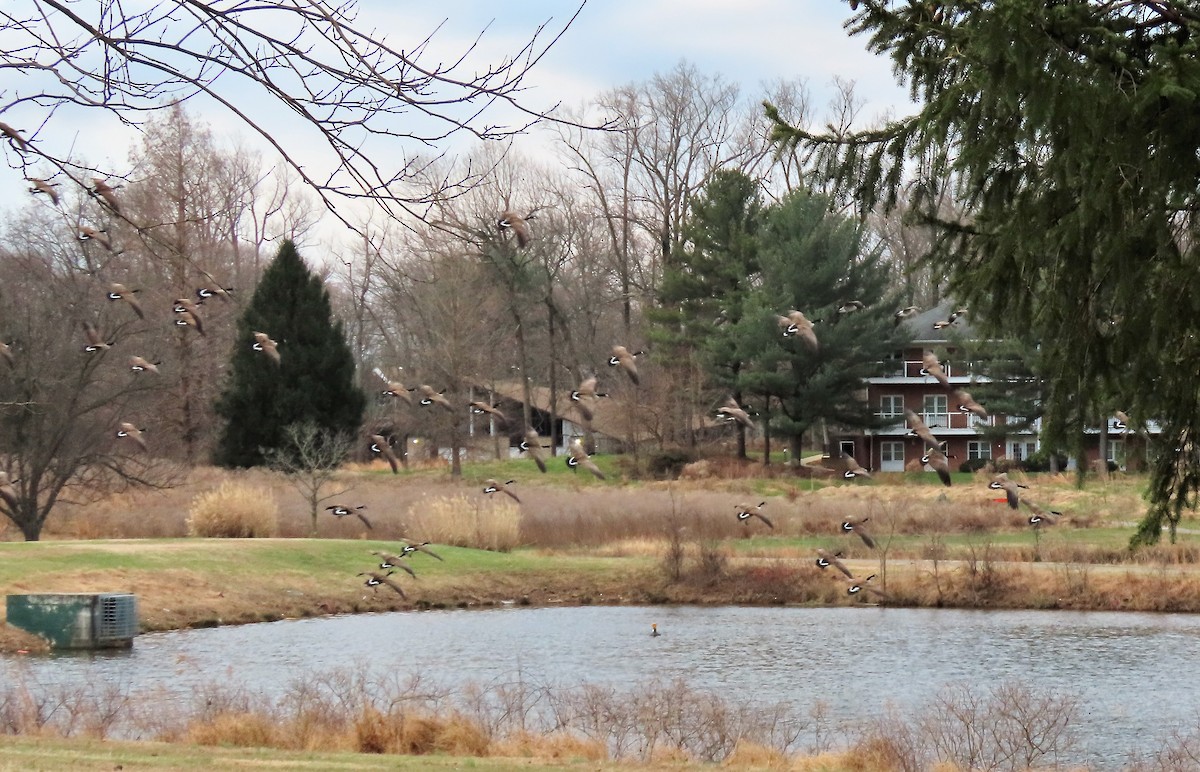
(234, 511)
(465, 521)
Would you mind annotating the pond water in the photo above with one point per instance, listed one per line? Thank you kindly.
(1132, 672)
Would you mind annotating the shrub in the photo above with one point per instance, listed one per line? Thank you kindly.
(668, 463)
(234, 511)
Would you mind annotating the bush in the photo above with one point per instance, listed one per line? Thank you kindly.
(972, 465)
(667, 464)
(234, 511)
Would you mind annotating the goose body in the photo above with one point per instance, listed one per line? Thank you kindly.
(855, 525)
(747, 511)
(188, 319)
(339, 511)
(375, 579)
(518, 225)
(398, 390)
(732, 411)
(41, 186)
(430, 396)
(621, 357)
(532, 444)
(967, 404)
(14, 135)
(98, 235)
(1011, 489)
(95, 341)
(263, 343)
(106, 193)
(931, 366)
(917, 428)
(495, 486)
(853, 468)
(388, 560)
(214, 290)
(121, 292)
(578, 457)
(483, 408)
(939, 463)
(796, 324)
(826, 559)
(409, 546)
(141, 365)
(905, 313)
(132, 432)
(379, 444)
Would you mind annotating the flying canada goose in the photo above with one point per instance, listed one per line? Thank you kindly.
(853, 468)
(938, 462)
(106, 193)
(186, 304)
(518, 225)
(967, 404)
(495, 486)
(398, 390)
(855, 525)
(577, 457)
(7, 492)
(100, 236)
(584, 393)
(1121, 421)
(14, 135)
(905, 313)
(1039, 515)
(931, 366)
(374, 579)
(954, 317)
(429, 396)
(131, 431)
(388, 560)
(732, 411)
(41, 186)
(917, 428)
(1011, 488)
(409, 546)
(95, 341)
(532, 444)
(141, 365)
(797, 324)
(745, 512)
(379, 444)
(339, 511)
(857, 586)
(848, 307)
(483, 408)
(825, 560)
(188, 319)
(263, 343)
(121, 292)
(7, 354)
(621, 357)
(212, 289)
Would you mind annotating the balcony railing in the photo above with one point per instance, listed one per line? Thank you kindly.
(935, 421)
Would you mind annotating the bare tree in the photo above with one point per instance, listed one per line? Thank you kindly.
(309, 459)
(350, 92)
(72, 421)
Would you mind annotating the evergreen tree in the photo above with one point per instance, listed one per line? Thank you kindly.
(704, 291)
(1070, 134)
(313, 380)
(816, 262)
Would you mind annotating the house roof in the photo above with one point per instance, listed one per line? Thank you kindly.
(921, 325)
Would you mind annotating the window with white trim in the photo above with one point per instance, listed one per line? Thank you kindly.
(937, 410)
(1021, 450)
(891, 451)
(979, 449)
(891, 406)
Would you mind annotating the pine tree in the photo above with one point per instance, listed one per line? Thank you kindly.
(703, 292)
(313, 380)
(816, 262)
(1069, 134)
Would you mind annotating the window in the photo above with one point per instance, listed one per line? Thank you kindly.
(937, 410)
(847, 447)
(891, 406)
(979, 449)
(1116, 453)
(891, 451)
(1022, 450)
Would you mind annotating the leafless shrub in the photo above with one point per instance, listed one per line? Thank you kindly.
(233, 511)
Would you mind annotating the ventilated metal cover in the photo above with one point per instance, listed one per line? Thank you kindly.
(116, 618)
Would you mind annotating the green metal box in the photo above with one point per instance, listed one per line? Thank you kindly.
(77, 620)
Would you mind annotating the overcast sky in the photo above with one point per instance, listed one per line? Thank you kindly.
(611, 43)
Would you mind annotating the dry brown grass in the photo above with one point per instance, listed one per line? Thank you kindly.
(491, 523)
(234, 511)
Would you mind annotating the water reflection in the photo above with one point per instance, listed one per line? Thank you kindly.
(856, 659)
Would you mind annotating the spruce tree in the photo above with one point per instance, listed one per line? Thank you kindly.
(703, 292)
(815, 261)
(313, 382)
(1069, 135)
